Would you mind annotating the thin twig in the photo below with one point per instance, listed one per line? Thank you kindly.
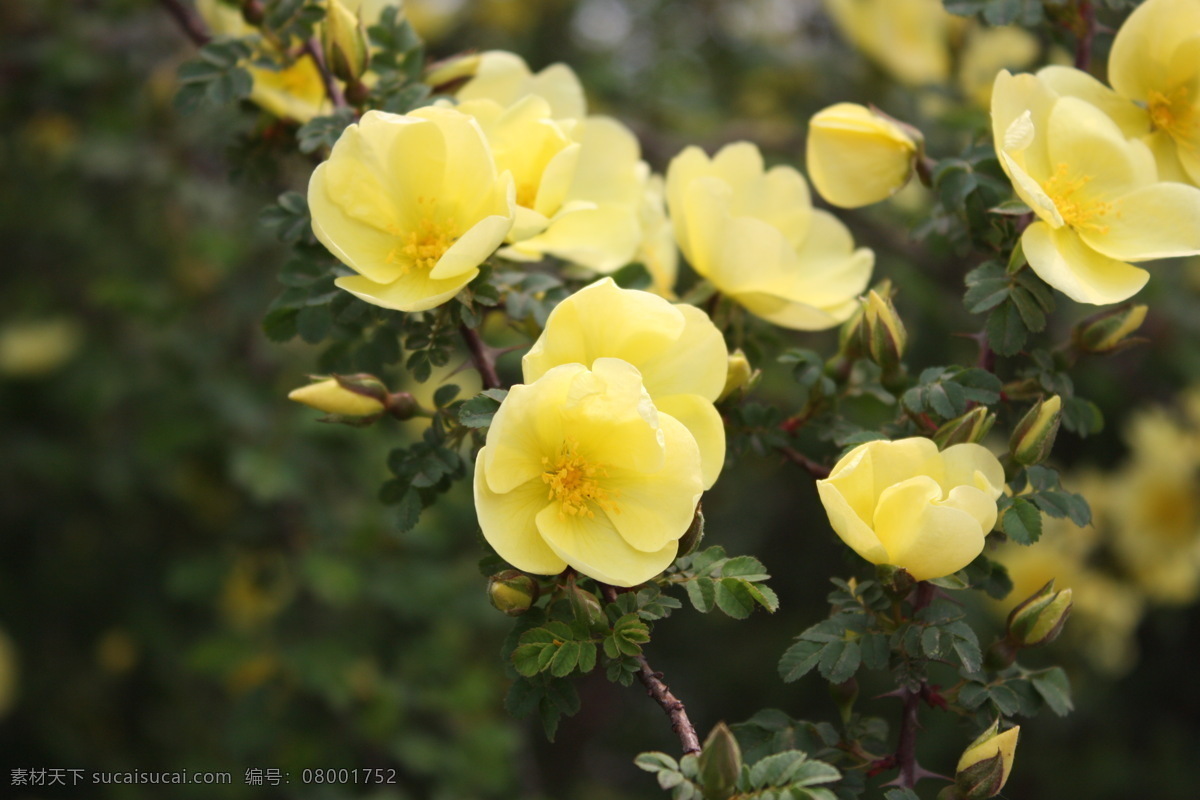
(191, 25)
(313, 48)
(658, 689)
(818, 471)
(1083, 47)
(481, 357)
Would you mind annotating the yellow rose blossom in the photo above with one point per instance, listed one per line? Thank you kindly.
(755, 235)
(657, 251)
(581, 181)
(906, 504)
(907, 38)
(413, 203)
(986, 51)
(678, 351)
(1097, 196)
(332, 397)
(857, 157)
(1155, 62)
(580, 469)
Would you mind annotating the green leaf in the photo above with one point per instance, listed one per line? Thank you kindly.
(875, 650)
(565, 659)
(840, 661)
(587, 657)
(702, 592)
(323, 131)
(799, 659)
(1055, 689)
(1006, 330)
(734, 598)
(747, 568)
(898, 793)
(313, 323)
(656, 762)
(479, 410)
(1022, 522)
(408, 511)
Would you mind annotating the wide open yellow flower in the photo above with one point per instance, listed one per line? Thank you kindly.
(580, 469)
(1155, 62)
(413, 203)
(681, 355)
(755, 235)
(906, 504)
(1097, 196)
(856, 157)
(581, 182)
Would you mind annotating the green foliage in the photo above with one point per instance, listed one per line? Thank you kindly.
(947, 391)
(1001, 12)
(479, 410)
(320, 133)
(714, 580)
(215, 77)
(789, 775)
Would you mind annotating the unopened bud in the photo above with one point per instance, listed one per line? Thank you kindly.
(1040, 618)
(446, 75)
(1034, 437)
(844, 696)
(857, 156)
(344, 39)
(970, 427)
(352, 396)
(693, 535)
(512, 592)
(1109, 331)
(585, 605)
(984, 767)
(884, 332)
(850, 335)
(720, 763)
(737, 373)
(402, 405)
(896, 581)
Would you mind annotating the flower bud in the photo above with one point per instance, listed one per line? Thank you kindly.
(984, 767)
(1033, 439)
(1109, 331)
(512, 592)
(584, 605)
(694, 534)
(1040, 618)
(344, 39)
(850, 335)
(970, 427)
(884, 332)
(720, 763)
(446, 75)
(353, 396)
(402, 405)
(857, 156)
(737, 375)
(896, 581)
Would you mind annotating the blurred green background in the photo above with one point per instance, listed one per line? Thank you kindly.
(196, 576)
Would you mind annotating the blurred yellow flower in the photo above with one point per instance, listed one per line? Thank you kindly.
(678, 351)
(412, 203)
(907, 38)
(332, 397)
(906, 504)
(755, 235)
(580, 469)
(1097, 196)
(986, 51)
(505, 78)
(657, 250)
(857, 157)
(32, 348)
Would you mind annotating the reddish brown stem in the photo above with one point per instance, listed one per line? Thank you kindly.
(481, 357)
(818, 471)
(1087, 25)
(189, 23)
(313, 48)
(657, 688)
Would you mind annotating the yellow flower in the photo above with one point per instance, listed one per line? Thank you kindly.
(903, 503)
(908, 38)
(1155, 62)
(986, 51)
(33, 348)
(657, 251)
(412, 203)
(755, 235)
(678, 351)
(580, 180)
(332, 397)
(580, 469)
(857, 157)
(1097, 196)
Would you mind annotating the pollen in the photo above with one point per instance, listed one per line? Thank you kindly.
(1171, 112)
(574, 482)
(423, 246)
(1077, 209)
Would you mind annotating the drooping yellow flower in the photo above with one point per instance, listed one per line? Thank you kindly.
(580, 469)
(413, 203)
(755, 235)
(581, 181)
(908, 38)
(906, 504)
(1155, 62)
(1097, 196)
(857, 157)
(678, 351)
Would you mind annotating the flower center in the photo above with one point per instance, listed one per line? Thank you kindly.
(1077, 209)
(1172, 113)
(572, 481)
(422, 247)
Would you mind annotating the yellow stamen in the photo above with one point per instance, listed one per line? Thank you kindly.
(422, 247)
(1171, 112)
(1077, 211)
(573, 482)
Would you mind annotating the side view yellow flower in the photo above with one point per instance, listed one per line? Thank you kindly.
(856, 157)
(906, 504)
(505, 78)
(678, 351)
(755, 235)
(580, 469)
(413, 203)
(908, 38)
(1096, 194)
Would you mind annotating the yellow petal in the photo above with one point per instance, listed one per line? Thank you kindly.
(413, 292)
(1082, 140)
(505, 78)
(593, 547)
(695, 363)
(1161, 220)
(509, 523)
(1139, 62)
(849, 526)
(925, 538)
(972, 464)
(528, 428)
(654, 509)
(1061, 259)
(472, 248)
(704, 422)
(1012, 97)
(604, 238)
(612, 418)
(855, 157)
(1131, 118)
(608, 170)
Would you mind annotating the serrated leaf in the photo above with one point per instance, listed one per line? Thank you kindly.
(565, 659)
(1006, 330)
(875, 650)
(656, 762)
(931, 642)
(734, 598)
(587, 657)
(1031, 312)
(522, 698)
(1007, 701)
(702, 592)
(1055, 689)
(840, 661)
(408, 511)
(1022, 522)
(799, 659)
(811, 773)
(747, 568)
